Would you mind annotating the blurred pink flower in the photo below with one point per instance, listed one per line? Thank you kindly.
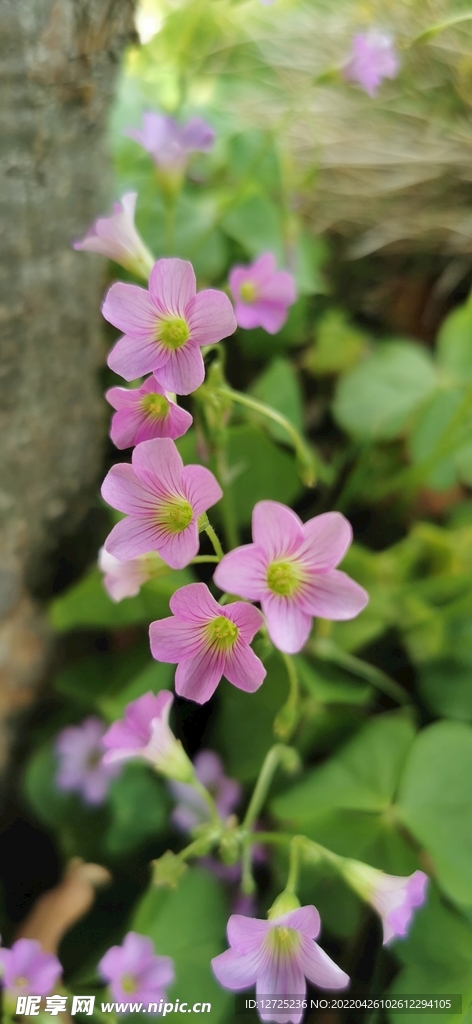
(135, 972)
(81, 769)
(165, 327)
(262, 294)
(373, 58)
(208, 641)
(144, 413)
(163, 500)
(125, 579)
(393, 897)
(290, 569)
(169, 143)
(117, 238)
(277, 956)
(192, 809)
(144, 731)
(26, 969)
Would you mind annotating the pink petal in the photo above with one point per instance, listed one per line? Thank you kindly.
(243, 668)
(234, 971)
(197, 678)
(178, 549)
(132, 537)
(282, 976)
(184, 370)
(269, 314)
(123, 398)
(263, 268)
(130, 309)
(126, 426)
(177, 421)
(247, 618)
(276, 529)
(171, 640)
(318, 967)
(197, 135)
(172, 286)
(123, 491)
(246, 933)
(243, 572)
(288, 626)
(158, 465)
(333, 595)
(279, 289)
(211, 317)
(133, 357)
(194, 604)
(305, 920)
(326, 540)
(201, 488)
(248, 316)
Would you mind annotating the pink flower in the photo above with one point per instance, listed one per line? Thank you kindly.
(165, 327)
(134, 972)
(81, 768)
(169, 143)
(144, 413)
(262, 294)
(145, 732)
(125, 579)
(277, 956)
(290, 569)
(27, 970)
(208, 641)
(393, 897)
(116, 237)
(373, 58)
(192, 809)
(163, 500)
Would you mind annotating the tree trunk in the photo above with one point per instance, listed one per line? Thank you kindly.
(58, 62)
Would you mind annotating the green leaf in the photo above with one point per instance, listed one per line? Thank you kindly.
(310, 255)
(329, 685)
(435, 803)
(278, 387)
(257, 224)
(138, 807)
(155, 676)
(188, 924)
(454, 344)
(426, 434)
(96, 680)
(338, 345)
(446, 686)
(86, 603)
(377, 399)
(244, 727)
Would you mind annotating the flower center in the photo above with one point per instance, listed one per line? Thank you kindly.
(155, 406)
(283, 941)
(248, 291)
(175, 515)
(128, 983)
(173, 332)
(20, 982)
(283, 578)
(222, 633)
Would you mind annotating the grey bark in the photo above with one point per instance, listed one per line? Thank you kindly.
(58, 62)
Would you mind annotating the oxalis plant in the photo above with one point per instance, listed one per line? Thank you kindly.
(255, 611)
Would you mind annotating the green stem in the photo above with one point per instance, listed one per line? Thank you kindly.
(248, 884)
(287, 718)
(214, 540)
(295, 854)
(202, 790)
(199, 559)
(430, 33)
(329, 651)
(261, 789)
(227, 506)
(303, 452)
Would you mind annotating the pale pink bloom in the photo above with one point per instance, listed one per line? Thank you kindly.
(262, 294)
(169, 143)
(145, 732)
(373, 58)
(208, 641)
(81, 769)
(125, 579)
(165, 327)
(394, 897)
(277, 956)
(192, 809)
(163, 500)
(135, 973)
(145, 412)
(290, 569)
(117, 238)
(27, 970)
